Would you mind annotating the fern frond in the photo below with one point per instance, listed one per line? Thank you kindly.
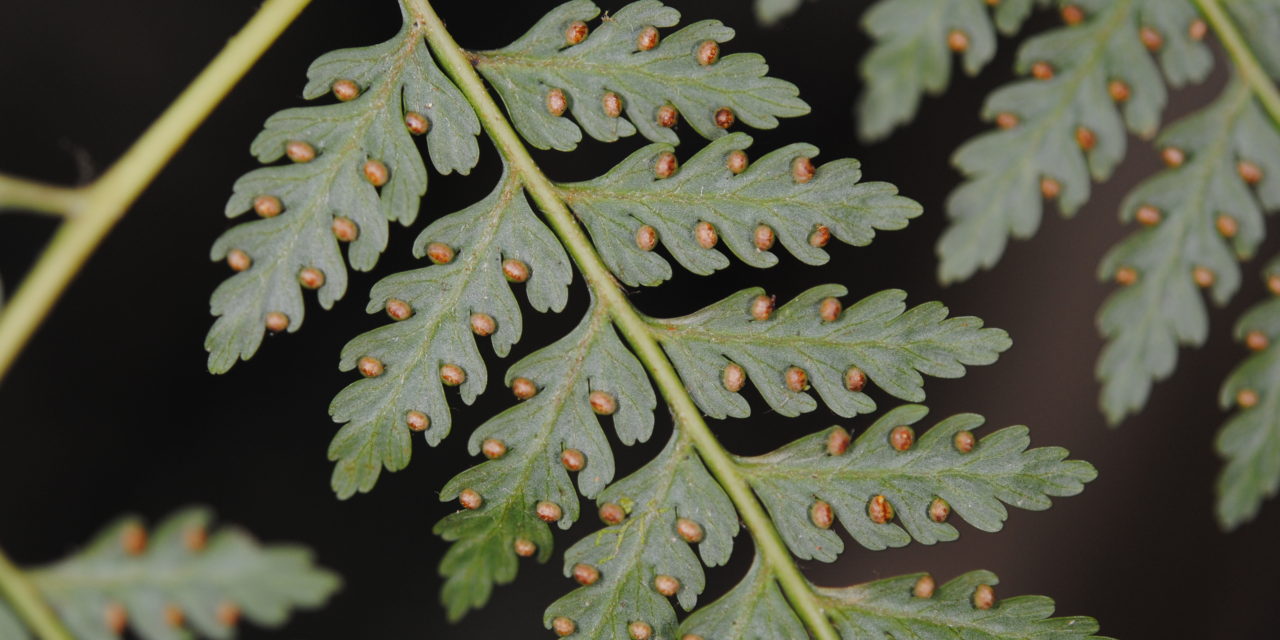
(180, 575)
(1203, 220)
(694, 491)
(1250, 439)
(533, 447)
(887, 464)
(877, 339)
(771, 198)
(1066, 126)
(889, 608)
(911, 55)
(408, 363)
(678, 70)
(649, 543)
(355, 167)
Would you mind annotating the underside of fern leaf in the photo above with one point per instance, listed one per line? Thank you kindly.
(711, 199)
(893, 608)
(879, 480)
(877, 340)
(619, 79)
(353, 167)
(1199, 219)
(1250, 440)
(914, 42)
(681, 510)
(1065, 125)
(180, 581)
(478, 253)
(533, 447)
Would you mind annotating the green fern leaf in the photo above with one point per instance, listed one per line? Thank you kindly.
(608, 60)
(1250, 440)
(890, 344)
(209, 581)
(10, 627)
(534, 434)
(410, 353)
(614, 206)
(999, 469)
(396, 77)
(887, 609)
(754, 609)
(1058, 118)
(646, 545)
(911, 55)
(1146, 321)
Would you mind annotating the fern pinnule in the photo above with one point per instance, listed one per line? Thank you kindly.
(355, 167)
(657, 79)
(914, 41)
(1250, 439)
(708, 201)
(884, 491)
(1043, 154)
(179, 581)
(876, 339)
(646, 543)
(477, 255)
(548, 435)
(1198, 219)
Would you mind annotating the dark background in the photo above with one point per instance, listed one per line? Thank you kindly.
(111, 410)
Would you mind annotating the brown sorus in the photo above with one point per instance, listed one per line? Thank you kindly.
(440, 253)
(452, 375)
(398, 309)
(838, 441)
(573, 459)
(515, 270)
(346, 90)
(416, 123)
(524, 388)
(762, 307)
(267, 206)
(612, 513)
(556, 101)
(238, 260)
(276, 321)
(548, 511)
(902, 437)
(646, 237)
(311, 278)
(797, 379)
(879, 509)
(369, 367)
(417, 421)
(734, 377)
(299, 151)
(345, 229)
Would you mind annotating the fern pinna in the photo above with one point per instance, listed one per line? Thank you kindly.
(353, 169)
(1105, 73)
(178, 581)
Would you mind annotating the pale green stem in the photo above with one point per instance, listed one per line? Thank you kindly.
(96, 207)
(1246, 63)
(687, 416)
(26, 601)
(30, 195)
